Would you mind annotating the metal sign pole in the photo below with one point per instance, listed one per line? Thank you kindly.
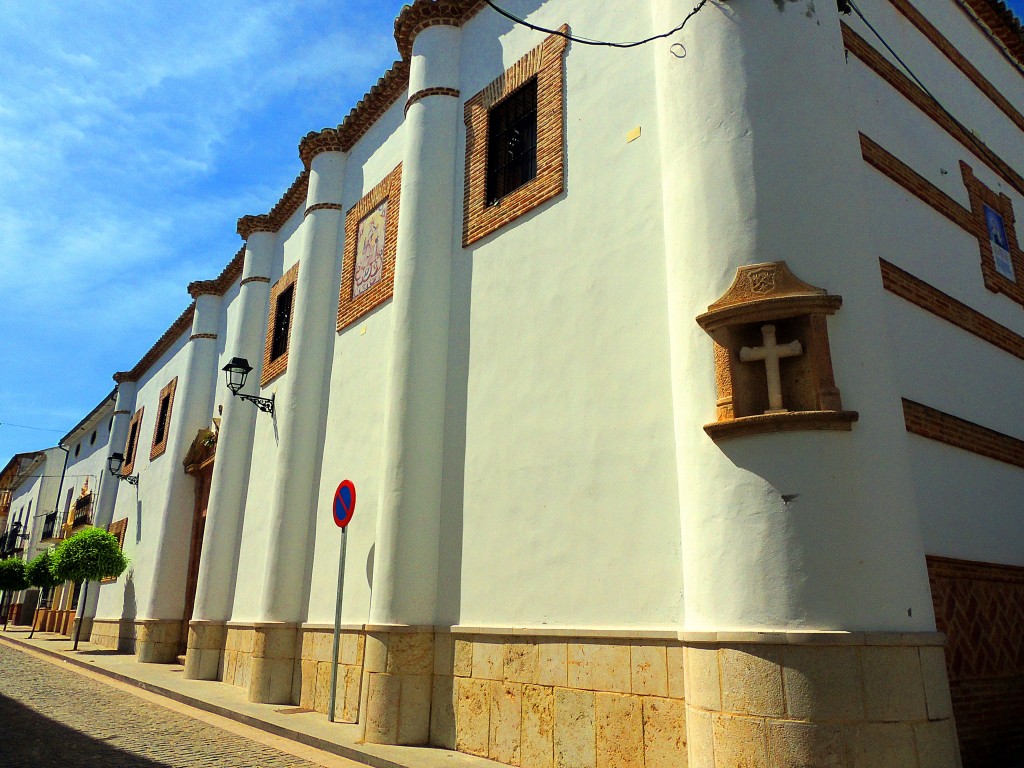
(337, 625)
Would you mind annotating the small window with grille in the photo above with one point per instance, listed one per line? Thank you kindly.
(512, 142)
(282, 322)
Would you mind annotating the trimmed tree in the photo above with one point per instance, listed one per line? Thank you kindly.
(40, 574)
(12, 579)
(89, 555)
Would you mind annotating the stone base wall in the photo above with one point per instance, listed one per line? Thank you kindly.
(842, 700)
(314, 678)
(539, 702)
(157, 641)
(114, 634)
(204, 654)
(237, 665)
(397, 682)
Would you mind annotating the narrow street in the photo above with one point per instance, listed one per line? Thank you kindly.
(51, 716)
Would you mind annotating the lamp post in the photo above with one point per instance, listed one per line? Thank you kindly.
(236, 372)
(114, 464)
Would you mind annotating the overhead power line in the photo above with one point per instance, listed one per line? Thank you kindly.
(983, 149)
(590, 41)
(26, 426)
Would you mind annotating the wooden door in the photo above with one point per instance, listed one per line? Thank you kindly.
(203, 478)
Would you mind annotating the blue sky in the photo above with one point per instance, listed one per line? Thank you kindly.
(132, 137)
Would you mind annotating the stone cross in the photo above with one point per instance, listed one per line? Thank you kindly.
(771, 353)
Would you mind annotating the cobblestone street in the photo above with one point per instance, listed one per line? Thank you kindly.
(51, 716)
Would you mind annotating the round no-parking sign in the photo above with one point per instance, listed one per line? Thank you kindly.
(344, 503)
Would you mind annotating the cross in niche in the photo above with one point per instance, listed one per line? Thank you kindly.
(771, 353)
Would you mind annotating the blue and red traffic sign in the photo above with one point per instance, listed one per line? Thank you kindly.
(344, 503)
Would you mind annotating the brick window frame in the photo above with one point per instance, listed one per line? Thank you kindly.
(545, 62)
(351, 309)
(131, 448)
(118, 528)
(274, 368)
(159, 446)
(980, 196)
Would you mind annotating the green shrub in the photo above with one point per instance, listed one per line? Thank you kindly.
(89, 555)
(39, 571)
(12, 575)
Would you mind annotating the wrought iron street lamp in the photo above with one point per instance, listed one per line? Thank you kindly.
(114, 464)
(236, 372)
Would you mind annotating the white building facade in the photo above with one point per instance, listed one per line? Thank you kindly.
(676, 384)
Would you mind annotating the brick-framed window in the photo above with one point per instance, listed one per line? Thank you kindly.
(131, 446)
(371, 236)
(489, 206)
(1002, 262)
(162, 428)
(280, 320)
(118, 528)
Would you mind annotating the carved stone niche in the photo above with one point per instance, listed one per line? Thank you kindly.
(768, 312)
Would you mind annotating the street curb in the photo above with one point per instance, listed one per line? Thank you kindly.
(287, 733)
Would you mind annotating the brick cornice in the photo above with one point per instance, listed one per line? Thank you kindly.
(274, 219)
(253, 223)
(199, 288)
(1003, 23)
(422, 14)
(378, 100)
(178, 327)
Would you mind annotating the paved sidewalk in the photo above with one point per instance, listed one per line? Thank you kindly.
(289, 722)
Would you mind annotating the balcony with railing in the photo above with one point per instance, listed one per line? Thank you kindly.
(50, 528)
(82, 514)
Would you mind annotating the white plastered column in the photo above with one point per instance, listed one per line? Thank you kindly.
(300, 412)
(161, 615)
(406, 560)
(218, 565)
(761, 161)
(106, 495)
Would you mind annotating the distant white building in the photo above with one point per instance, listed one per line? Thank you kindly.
(678, 386)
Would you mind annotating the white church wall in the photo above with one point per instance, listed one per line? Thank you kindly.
(355, 411)
(559, 360)
(263, 469)
(966, 502)
(229, 312)
(970, 504)
(909, 233)
(137, 504)
(949, 85)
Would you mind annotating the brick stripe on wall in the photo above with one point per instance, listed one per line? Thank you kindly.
(875, 61)
(931, 299)
(425, 92)
(971, 220)
(945, 428)
(980, 608)
(936, 38)
(916, 184)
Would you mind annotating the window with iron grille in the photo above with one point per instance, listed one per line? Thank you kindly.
(512, 142)
(129, 452)
(50, 526)
(282, 322)
(161, 418)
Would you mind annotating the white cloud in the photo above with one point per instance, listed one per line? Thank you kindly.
(122, 173)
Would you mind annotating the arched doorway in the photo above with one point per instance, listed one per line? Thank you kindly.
(198, 463)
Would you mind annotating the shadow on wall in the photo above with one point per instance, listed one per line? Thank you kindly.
(126, 626)
(38, 740)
